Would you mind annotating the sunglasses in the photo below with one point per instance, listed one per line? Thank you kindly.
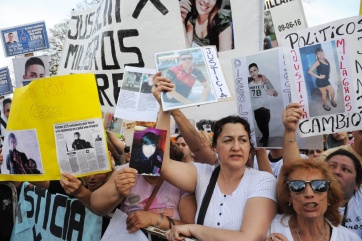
(187, 58)
(316, 185)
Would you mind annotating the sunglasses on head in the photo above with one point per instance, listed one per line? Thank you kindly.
(316, 185)
(186, 58)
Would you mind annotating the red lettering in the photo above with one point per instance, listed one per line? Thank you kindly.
(296, 66)
(346, 89)
(349, 106)
(344, 73)
(294, 56)
(341, 42)
(344, 82)
(347, 98)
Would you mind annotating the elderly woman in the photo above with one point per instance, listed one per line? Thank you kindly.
(345, 166)
(230, 196)
(308, 197)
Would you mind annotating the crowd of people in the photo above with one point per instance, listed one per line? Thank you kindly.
(216, 187)
(222, 188)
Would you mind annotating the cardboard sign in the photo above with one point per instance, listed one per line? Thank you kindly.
(56, 122)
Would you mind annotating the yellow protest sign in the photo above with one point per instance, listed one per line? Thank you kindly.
(360, 8)
(55, 125)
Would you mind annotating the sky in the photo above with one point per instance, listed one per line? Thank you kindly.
(20, 12)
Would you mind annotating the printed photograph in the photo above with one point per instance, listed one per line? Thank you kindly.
(132, 81)
(322, 79)
(27, 69)
(188, 71)
(146, 86)
(81, 140)
(11, 37)
(21, 153)
(147, 150)
(208, 23)
(270, 39)
(265, 97)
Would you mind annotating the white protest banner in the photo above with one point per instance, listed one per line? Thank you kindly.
(44, 216)
(325, 66)
(262, 92)
(280, 18)
(30, 68)
(105, 39)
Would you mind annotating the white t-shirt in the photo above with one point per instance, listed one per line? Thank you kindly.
(275, 166)
(226, 211)
(280, 224)
(354, 213)
(258, 94)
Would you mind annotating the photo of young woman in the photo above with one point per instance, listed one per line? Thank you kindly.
(207, 22)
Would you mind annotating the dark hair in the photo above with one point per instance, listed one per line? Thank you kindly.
(32, 160)
(334, 195)
(33, 61)
(356, 163)
(127, 149)
(12, 135)
(226, 120)
(212, 24)
(179, 136)
(253, 65)
(10, 33)
(6, 101)
(149, 138)
(77, 133)
(176, 152)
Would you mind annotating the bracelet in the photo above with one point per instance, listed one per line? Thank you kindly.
(159, 221)
(291, 140)
(170, 222)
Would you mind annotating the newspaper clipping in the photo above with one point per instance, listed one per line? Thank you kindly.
(135, 101)
(81, 146)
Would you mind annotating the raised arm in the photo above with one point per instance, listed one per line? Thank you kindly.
(73, 186)
(179, 174)
(291, 116)
(113, 192)
(263, 160)
(198, 145)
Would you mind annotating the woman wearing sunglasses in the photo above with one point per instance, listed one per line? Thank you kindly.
(308, 198)
(345, 166)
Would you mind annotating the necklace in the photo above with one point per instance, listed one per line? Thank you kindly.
(320, 238)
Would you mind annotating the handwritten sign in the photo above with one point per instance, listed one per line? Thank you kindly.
(115, 34)
(52, 107)
(325, 66)
(44, 216)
